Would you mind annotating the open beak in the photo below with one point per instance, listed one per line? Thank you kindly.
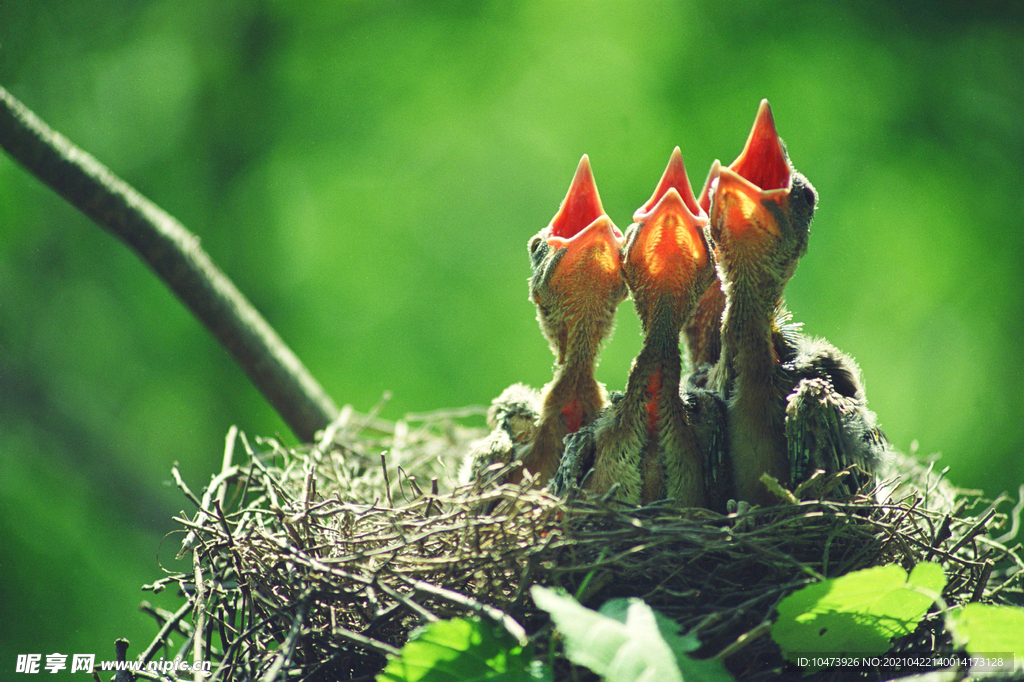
(762, 161)
(669, 244)
(760, 173)
(581, 206)
(738, 201)
(582, 227)
(674, 176)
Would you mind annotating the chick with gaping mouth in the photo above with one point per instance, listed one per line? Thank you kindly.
(794, 404)
(576, 285)
(651, 443)
(703, 331)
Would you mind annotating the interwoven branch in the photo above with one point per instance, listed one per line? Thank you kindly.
(359, 573)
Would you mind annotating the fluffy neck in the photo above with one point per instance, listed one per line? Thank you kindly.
(748, 321)
(652, 395)
(746, 377)
(572, 400)
(656, 372)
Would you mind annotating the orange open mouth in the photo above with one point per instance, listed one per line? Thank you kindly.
(671, 237)
(762, 163)
(760, 173)
(674, 176)
(597, 244)
(581, 227)
(581, 206)
(739, 201)
(762, 160)
(673, 227)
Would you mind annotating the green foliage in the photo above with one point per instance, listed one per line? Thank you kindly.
(991, 629)
(626, 641)
(464, 650)
(858, 613)
(693, 669)
(369, 174)
(861, 612)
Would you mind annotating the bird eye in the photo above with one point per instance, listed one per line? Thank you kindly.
(809, 196)
(534, 245)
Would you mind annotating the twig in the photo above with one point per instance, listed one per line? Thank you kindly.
(161, 636)
(943, 534)
(419, 609)
(229, 452)
(180, 482)
(177, 258)
(453, 413)
(743, 640)
(370, 419)
(199, 619)
(1014, 518)
(161, 616)
(975, 529)
(121, 652)
(492, 612)
(387, 480)
(204, 506)
(1016, 577)
(368, 642)
(287, 647)
(983, 576)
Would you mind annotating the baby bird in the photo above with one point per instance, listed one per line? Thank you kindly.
(651, 442)
(794, 404)
(704, 329)
(576, 285)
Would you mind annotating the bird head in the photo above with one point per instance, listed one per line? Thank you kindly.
(577, 270)
(761, 210)
(666, 261)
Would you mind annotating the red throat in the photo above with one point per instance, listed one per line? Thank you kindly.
(572, 416)
(653, 399)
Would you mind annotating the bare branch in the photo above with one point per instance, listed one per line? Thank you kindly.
(175, 255)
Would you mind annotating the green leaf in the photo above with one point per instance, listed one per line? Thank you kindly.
(464, 650)
(693, 669)
(626, 641)
(858, 613)
(928, 576)
(992, 629)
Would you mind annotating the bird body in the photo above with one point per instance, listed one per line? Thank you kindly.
(828, 423)
(794, 404)
(703, 331)
(761, 399)
(576, 286)
(650, 443)
(644, 443)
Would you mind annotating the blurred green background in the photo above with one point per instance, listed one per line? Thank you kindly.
(369, 173)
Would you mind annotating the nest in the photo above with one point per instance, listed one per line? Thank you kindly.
(315, 563)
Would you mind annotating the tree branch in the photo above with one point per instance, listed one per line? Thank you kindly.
(175, 255)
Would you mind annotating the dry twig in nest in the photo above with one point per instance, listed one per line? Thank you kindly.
(316, 563)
